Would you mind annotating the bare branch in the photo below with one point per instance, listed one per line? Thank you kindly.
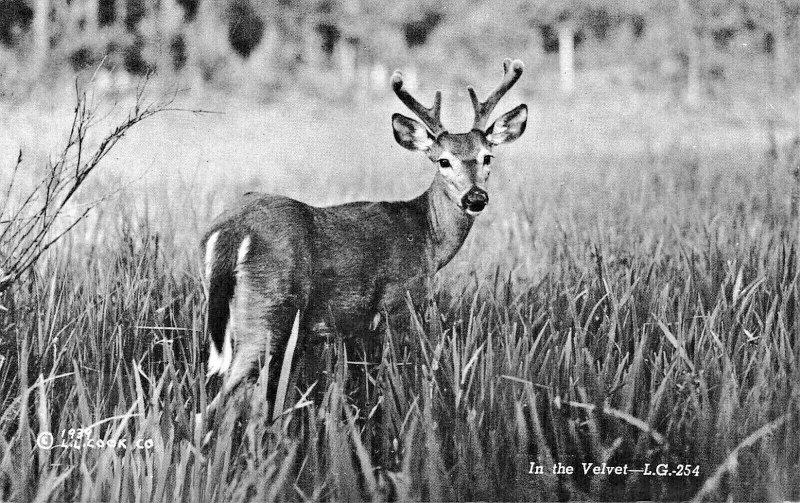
(29, 229)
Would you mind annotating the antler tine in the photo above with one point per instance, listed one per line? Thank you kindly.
(512, 70)
(430, 116)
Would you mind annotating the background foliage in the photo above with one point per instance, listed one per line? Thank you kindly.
(692, 46)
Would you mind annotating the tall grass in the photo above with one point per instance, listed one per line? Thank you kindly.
(626, 316)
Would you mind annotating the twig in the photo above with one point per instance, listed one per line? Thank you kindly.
(27, 232)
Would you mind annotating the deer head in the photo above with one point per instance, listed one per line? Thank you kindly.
(463, 159)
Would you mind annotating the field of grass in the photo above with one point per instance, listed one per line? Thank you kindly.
(630, 296)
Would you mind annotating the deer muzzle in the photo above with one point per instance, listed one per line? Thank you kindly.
(475, 200)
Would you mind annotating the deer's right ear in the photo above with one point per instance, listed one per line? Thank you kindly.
(410, 133)
(509, 126)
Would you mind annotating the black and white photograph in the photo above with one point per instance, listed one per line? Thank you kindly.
(342, 250)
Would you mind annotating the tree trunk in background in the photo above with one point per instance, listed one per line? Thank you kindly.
(41, 35)
(346, 61)
(566, 56)
(777, 65)
(780, 56)
(168, 16)
(693, 77)
(797, 82)
(91, 13)
(120, 12)
(262, 59)
(312, 45)
(693, 70)
(207, 44)
(793, 161)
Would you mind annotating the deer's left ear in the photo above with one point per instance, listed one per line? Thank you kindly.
(410, 133)
(509, 126)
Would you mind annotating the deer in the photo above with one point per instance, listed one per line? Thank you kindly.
(276, 267)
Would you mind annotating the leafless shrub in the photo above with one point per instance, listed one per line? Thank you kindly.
(32, 223)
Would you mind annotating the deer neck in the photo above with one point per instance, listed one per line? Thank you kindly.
(447, 225)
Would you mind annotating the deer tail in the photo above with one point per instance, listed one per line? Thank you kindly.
(220, 276)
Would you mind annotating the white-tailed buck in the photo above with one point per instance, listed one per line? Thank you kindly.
(271, 258)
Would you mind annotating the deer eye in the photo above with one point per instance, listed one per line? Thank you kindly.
(487, 160)
(445, 163)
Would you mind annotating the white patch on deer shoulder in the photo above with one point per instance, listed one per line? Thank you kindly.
(376, 320)
(211, 244)
(244, 249)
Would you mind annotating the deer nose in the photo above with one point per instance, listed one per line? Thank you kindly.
(475, 200)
